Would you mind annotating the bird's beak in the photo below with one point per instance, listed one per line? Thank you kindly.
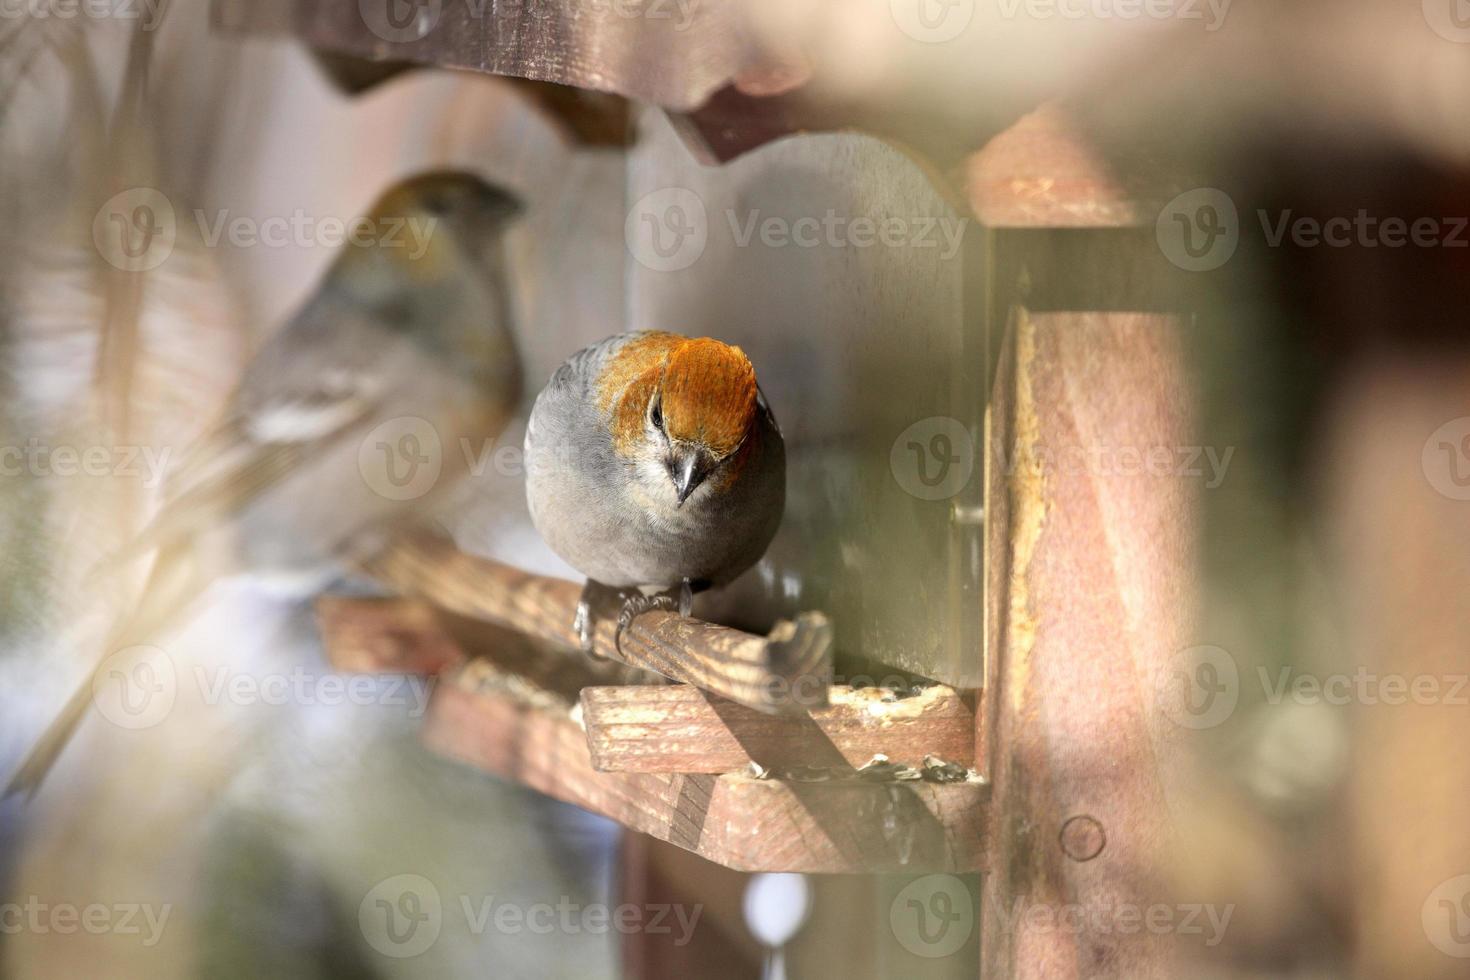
(688, 467)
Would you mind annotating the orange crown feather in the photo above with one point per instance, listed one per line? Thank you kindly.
(708, 390)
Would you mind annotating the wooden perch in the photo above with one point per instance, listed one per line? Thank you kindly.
(508, 710)
(410, 636)
(759, 672)
(370, 636)
(682, 729)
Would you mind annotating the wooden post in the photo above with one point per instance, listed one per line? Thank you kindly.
(1089, 555)
(1089, 601)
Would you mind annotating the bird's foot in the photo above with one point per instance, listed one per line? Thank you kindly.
(635, 604)
(598, 600)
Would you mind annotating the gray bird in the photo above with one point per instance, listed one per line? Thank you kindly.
(655, 468)
(348, 425)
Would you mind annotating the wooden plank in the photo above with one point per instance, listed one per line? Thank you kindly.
(385, 636)
(751, 670)
(398, 635)
(681, 729)
(839, 825)
(509, 710)
(661, 55)
(1090, 599)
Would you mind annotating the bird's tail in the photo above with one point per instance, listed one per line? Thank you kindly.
(173, 585)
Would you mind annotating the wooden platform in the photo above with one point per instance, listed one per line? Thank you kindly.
(510, 706)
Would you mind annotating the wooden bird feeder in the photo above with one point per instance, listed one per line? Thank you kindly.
(1029, 750)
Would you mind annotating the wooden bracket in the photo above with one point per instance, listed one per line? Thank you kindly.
(511, 710)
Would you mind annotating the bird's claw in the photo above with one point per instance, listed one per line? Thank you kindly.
(635, 604)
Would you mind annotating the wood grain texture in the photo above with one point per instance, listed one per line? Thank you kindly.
(505, 705)
(734, 820)
(681, 729)
(750, 670)
(398, 635)
(1090, 599)
(668, 56)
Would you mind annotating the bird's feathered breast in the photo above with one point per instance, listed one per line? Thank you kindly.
(707, 390)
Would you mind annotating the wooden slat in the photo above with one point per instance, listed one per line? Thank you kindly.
(681, 729)
(505, 705)
(670, 58)
(751, 670)
(385, 635)
(399, 635)
(749, 824)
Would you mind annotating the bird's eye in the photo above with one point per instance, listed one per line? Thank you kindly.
(656, 416)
